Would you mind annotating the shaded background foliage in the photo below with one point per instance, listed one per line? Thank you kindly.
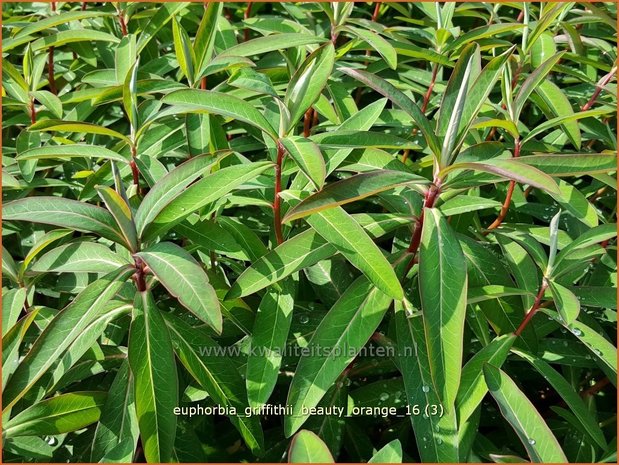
(438, 178)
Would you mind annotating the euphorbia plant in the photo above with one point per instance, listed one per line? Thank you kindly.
(236, 208)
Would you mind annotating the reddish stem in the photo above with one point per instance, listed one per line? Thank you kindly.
(430, 199)
(307, 122)
(598, 89)
(123, 24)
(247, 15)
(33, 111)
(84, 6)
(536, 305)
(510, 190)
(50, 72)
(376, 11)
(139, 275)
(597, 387)
(134, 167)
(203, 83)
(277, 220)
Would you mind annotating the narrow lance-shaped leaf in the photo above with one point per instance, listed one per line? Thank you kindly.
(344, 331)
(183, 49)
(453, 102)
(401, 100)
(152, 363)
(80, 257)
(171, 185)
(61, 414)
(185, 279)
(71, 151)
(204, 42)
(118, 423)
(378, 43)
(201, 357)
(271, 43)
(268, 341)
(351, 189)
(517, 409)
(308, 81)
(193, 100)
(390, 453)
(298, 252)
(81, 127)
(122, 214)
(61, 332)
(572, 164)
(567, 393)
(308, 157)
(442, 286)
(473, 386)
(209, 189)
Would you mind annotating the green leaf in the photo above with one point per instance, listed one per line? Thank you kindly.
(71, 36)
(126, 54)
(492, 291)
(204, 42)
(61, 414)
(341, 334)
(473, 387)
(122, 214)
(384, 48)
(532, 82)
(170, 186)
(348, 190)
(510, 169)
(572, 164)
(400, 99)
(308, 157)
(61, 332)
(81, 127)
(436, 436)
(542, 49)
(118, 423)
(466, 203)
(209, 189)
(79, 257)
(517, 409)
(556, 99)
(303, 250)
(567, 393)
(164, 13)
(13, 302)
(268, 341)
(185, 279)
(12, 340)
(362, 139)
(306, 447)
(307, 82)
(271, 43)
(442, 286)
(340, 229)
(71, 151)
(183, 50)
(201, 357)
(452, 104)
(151, 358)
(9, 268)
(390, 453)
(604, 352)
(50, 101)
(205, 101)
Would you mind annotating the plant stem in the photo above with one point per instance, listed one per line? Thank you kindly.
(247, 15)
(277, 220)
(139, 276)
(536, 305)
(598, 89)
(307, 122)
(510, 190)
(430, 199)
(50, 72)
(33, 111)
(134, 167)
(123, 24)
(203, 83)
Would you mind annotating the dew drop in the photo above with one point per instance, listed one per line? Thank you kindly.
(532, 442)
(425, 388)
(303, 319)
(439, 441)
(576, 332)
(597, 352)
(383, 396)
